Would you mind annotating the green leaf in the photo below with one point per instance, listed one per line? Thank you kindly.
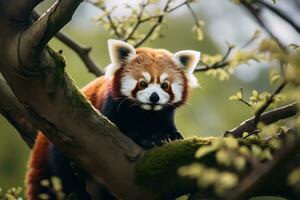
(294, 177)
(203, 151)
(233, 97)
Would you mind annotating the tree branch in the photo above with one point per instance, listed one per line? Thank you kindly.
(281, 14)
(267, 104)
(223, 63)
(82, 52)
(266, 118)
(255, 12)
(155, 26)
(15, 113)
(158, 169)
(22, 9)
(35, 38)
(262, 173)
(139, 21)
(108, 16)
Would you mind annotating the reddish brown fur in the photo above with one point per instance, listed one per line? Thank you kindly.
(38, 169)
(154, 61)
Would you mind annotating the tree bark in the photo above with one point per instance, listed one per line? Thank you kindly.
(15, 113)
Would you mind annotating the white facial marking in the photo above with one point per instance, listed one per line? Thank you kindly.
(146, 107)
(128, 83)
(144, 95)
(158, 107)
(147, 76)
(177, 89)
(163, 77)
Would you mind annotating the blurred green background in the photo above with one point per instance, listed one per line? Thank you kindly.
(208, 112)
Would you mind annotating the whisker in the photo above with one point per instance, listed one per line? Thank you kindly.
(135, 103)
(171, 105)
(121, 104)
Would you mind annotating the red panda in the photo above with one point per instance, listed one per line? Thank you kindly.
(139, 92)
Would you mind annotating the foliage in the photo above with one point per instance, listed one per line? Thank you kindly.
(11, 194)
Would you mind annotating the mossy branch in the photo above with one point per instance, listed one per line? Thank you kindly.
(158, 169)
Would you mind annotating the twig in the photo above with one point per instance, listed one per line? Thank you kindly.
(153, 28)
(113, 26)
(138, 23)
(149, 18)
(108, 16)
(178, 6)
(255, 13)
(242, 100)
(168, 11)
(266, 118)
(82, 51)
(281, 14)
(214, 66)
(217, 65)
(195, 17)
(267, 104)
(110, 20)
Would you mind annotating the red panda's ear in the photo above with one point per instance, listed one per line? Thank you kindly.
(187, 61)
(119, 53)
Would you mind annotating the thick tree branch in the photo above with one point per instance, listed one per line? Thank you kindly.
(263, 173)
(16, 114)
(266, 118)
(41, 31)
(158, 169)
(20, 10)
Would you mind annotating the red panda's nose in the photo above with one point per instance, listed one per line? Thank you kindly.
(154, 98)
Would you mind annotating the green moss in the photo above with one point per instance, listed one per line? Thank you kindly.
(157, 170)
(58, 79)
(253, 140)
(55, 71)
(73, 196)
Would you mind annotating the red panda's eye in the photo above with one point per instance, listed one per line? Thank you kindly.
(143, 84)
(164, 86)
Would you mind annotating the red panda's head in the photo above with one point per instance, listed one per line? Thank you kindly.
(152, 78)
